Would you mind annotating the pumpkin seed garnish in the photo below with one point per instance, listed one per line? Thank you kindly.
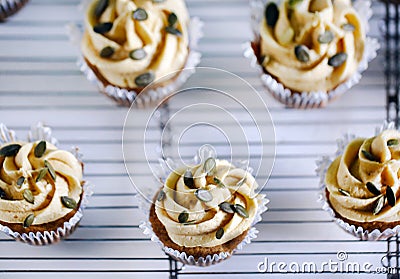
(203, 195)
(209, 166)
(369, 156)
(138, 54)
(144, 79)
(326, 37)
(42, 174)
(188, 179)
(372, 188)
(293, 3)
(161, 195)
(10, 150)
(107, 52)
(392, 142)
(29, 220)
(183, 217)
(158, 1)
(40, 149)
(344, 192)
(302, 53)
(28, 196)
(68, 202)
(172, 19)
(348, 27)
(241, 182)
(227, 207)
(100, 8)
(379, 205)
(2, 193)
(220, 233)
(102, 28)
(219, 182)
(338, 59)
(20, 181)
(239, 209)
(51, 170)
(271, 14)
(139, 14)
(172, 30)
(391, 198)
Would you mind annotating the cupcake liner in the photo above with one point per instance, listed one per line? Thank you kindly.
(322, 167)
(148, 96)
(307, 100)
(10, 7)
(41, 132)
(145, 203)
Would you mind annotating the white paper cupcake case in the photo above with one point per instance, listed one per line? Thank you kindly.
(309, 99)
(41, 132)
(10, 7)
(322, 167)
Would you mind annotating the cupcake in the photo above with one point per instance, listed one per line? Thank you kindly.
(362, 186)
(41, 190)
(203, 213)
(130, 45)
(311, 51)
(10, 7)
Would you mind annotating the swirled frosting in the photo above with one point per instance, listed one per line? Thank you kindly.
(164, 52)
(375, 161)
(235, 186)
(325, 28)
(20, 173)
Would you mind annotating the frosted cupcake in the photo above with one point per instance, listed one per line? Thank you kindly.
(10, 7)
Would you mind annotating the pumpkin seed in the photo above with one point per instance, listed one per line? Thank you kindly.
(10, 150)
(219, 182)
(3, 194)
(326, 37)
(302, 53)
(51, 170)
(344, 192)
(392, 142)
(158, 1)
(42, 174)
(348, 27)
(183, 217)
(188, 179)
(102, 28)
(100, 8)
(293, 3)
(220, 233)
(138, 54)
(20, 181)
(144, 79)
(107, 52)
(369, 156)
(372, 188)
(338, 59)
(172, 30)
(172, 19)
(68, 202)
(28, 196)
(161, 195)
(40, 149)
(379, 205)
(203, 195)
(139, 14)
(391, 198)
(227, 207)
(29, 220)
(210, 166)
(271, 14)
(239, 209)
(241, 182)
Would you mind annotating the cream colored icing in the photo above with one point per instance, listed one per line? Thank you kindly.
(352, 171)
(47, 206)
(306, 21)
(207, 217)
(166, 53)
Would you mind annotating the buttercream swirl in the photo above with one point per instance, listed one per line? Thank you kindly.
(235, 186)
(161, 52)
(47, 192)
(325, 28)
(375, 161)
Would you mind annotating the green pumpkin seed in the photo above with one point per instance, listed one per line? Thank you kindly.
(188, 179)
(338, 59)
(158, 1)
(219, 183)
(379, 205)
(392, 142)
(174, 31)
(40, 149)
(10, 150)
(210, 166)
(391, 197)
(203, 195)
(183, 217)
(138, 54)
(373, 189)
(102, 28)
(227, 207)
(348, 27)
(326, 37)
(369, 156)
(241, 182)
(139, 14)
(344, 192)
(144, 79)
(172, 19)
(107, 52)
(3, 194)
(20, 181)
(241, 211)
(293, 3)
(100, 8)
(68, 202)
(271, 14)
(302, 53)
(42, 174)
(28, 196)
(220, 233)
(29, 220)
(51, 170)
(161, 195)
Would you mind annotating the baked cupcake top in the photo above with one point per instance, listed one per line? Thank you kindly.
(134, 42)
(311, 45)
(39, 184)
(208, 204)
(363, 183)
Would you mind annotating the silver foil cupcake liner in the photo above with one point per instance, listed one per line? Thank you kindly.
(10, 7)
(305, 100)
(41, 132)
(322, 167)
